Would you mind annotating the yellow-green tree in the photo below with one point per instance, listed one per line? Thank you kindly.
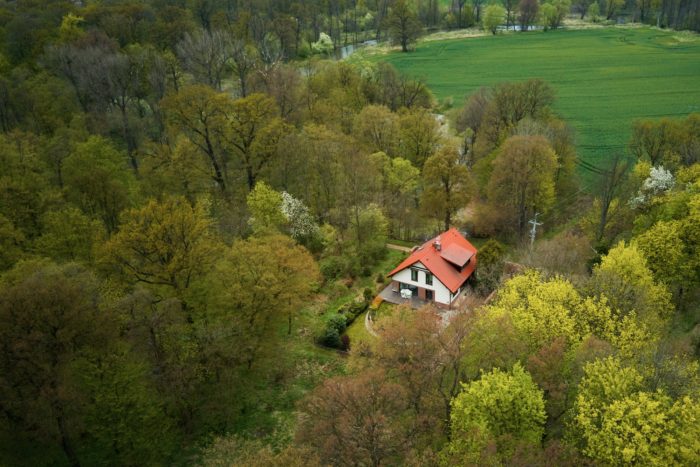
(265, 206)
(164, 244)
(200, 113)
(69, 235)
(504, 407)
(619, 423)
(97, 179)
(419, 135)
(253, 131)
(257, 283)
(378, 128)
(628, 285)
(541, 310)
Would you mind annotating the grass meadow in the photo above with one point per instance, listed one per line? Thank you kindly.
(605, 78)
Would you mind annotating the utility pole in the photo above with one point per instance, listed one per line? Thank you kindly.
(533, 231)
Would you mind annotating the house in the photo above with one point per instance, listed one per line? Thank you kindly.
(438, 270)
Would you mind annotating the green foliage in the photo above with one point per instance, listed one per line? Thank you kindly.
(98, 180)
(594, 12)
(265, 206)
(11, 240)
(552, 14)
(69, 235)
(166, 244)
(620, 423)
(541, 310)
(335, 327)
(493, 17)
(447, 185)
(505, 405)
(522, 181)
(628, 285)
(404, 27)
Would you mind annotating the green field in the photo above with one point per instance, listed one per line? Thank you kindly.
(604, 78)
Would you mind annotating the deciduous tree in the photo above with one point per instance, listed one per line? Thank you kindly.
(404, 27)
(522, 182)
(98, 180)
(493, 17)
(501, 406)
(164, 244)
(200, 113)
(356, 419)
(447, 185)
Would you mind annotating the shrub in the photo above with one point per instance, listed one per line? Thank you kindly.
(368, 294)
(332, 267)
(338, 323)
(335, 327)
(352, 310)
(345, 342)
(331, 338)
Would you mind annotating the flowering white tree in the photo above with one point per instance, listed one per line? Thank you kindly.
(301, 223)
(657, 183)
(324, 44)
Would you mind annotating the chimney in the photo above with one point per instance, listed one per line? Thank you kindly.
(437, 244)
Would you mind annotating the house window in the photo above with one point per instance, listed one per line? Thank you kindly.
(429, 295)
(428, 278)
(414, 275)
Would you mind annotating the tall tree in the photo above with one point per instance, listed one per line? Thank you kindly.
(258, 283)
(200, 113)
(253, 131)
(50, 318)
(166, 244)
(610, 185)
(501, 407)
(356, 417)
(528, 13)
(404, 27)
(493, 17)
(522, 181)
(447, 185)
(207, 55)
(98, 181)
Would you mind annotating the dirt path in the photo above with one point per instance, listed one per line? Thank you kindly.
(391, 246)
(369, 324)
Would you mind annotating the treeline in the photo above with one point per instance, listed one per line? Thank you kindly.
(295, 29)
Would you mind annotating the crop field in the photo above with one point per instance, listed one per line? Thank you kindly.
(605, 78)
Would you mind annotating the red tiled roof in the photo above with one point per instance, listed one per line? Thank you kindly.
(456, 254)
(454, 246)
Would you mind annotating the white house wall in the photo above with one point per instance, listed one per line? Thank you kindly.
(441, 293)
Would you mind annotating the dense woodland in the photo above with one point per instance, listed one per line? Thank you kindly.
(188, 186)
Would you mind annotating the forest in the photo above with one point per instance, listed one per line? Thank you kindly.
(196, 203)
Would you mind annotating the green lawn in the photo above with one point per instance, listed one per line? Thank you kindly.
(604, 78)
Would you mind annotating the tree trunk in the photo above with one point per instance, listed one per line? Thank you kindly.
(66, 444)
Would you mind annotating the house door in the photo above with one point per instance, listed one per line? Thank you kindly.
(429, 295)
